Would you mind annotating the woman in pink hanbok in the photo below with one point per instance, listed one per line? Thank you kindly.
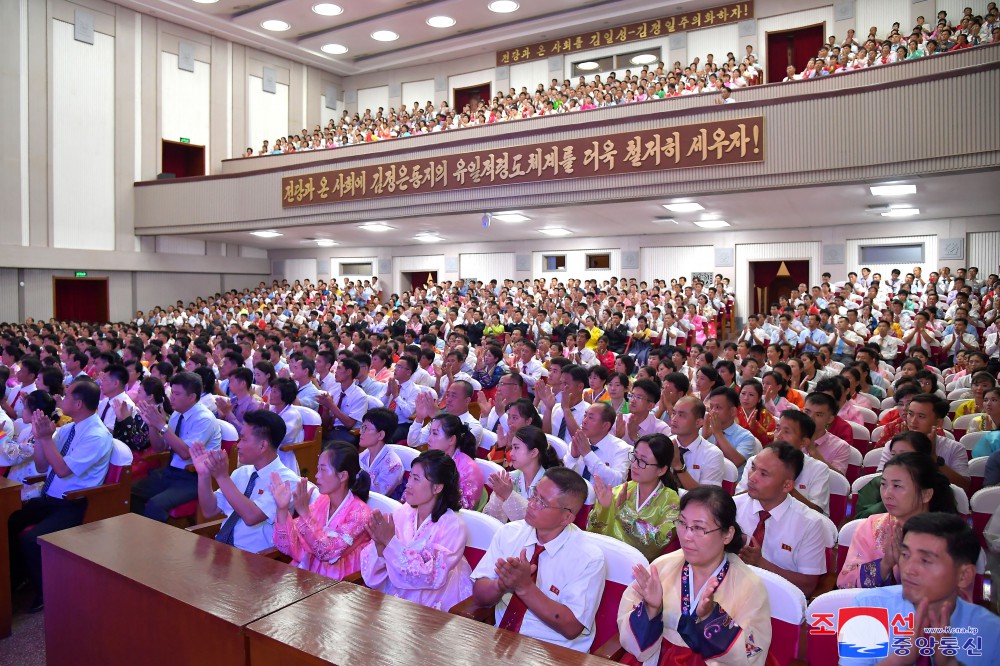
(697, 323)
(418, 552)
(328, 535)
(449, 434)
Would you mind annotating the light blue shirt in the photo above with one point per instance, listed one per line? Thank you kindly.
(87, 458)
(812, 339)
(964, 615)
(199, 425)
(741, 439)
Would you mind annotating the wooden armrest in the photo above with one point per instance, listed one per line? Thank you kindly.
(356, 578)
(34, 478)
(154, 460)
(471, 609)
(612, 649)
(84, 493)
(209, 529)
(297, 446)
(274, 554)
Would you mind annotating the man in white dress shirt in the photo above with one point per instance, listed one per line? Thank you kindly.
(573, 379)
(345, 403)
(302, 368)
(245, 497)
(113, 381)
(812, 485)
(784, 536)
(401, 395)
(556, 603)
(528, 366)
(456, 402)
(493, 416)
(698, 462)
(594, 451)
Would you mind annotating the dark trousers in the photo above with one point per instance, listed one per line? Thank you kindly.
(340, 434)
(38, 516)
(401, 431)
(162, 490)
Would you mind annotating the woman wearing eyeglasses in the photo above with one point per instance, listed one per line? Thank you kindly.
(640, 512)
(701, 604)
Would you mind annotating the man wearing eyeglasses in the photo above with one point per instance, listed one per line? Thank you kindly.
(544, 575)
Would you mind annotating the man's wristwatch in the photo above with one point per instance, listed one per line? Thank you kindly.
(163, 430)
(682, 470)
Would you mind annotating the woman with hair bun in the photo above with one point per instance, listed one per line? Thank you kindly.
(450, 435)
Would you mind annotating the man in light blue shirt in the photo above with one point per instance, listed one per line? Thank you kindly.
(812, 337)
(74, 457)
(937, 558)
(736, 442)
(191, 422)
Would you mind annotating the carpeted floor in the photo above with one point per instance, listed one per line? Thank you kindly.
(26, 645)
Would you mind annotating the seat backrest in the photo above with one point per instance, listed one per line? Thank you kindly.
(869, 416)
(228, 431)
(488, 467)
(830, 544)
(985, 503)
(373, 402)
(962, 424)
(970, 439)
(311, 422)
(821, 616)
(382, 503)
(730, 476)
(788, 614)
(481, 530)
(844, 539)
(958, 394)
(870, 400)
(121, 457)
(619, 560)
(840, 490)
(557, 444)
(872, 459)
(977, 470)
(854, 464)
(860, 433)
(888, 403)
(877, 434)
(961, 500)
(489, 440)
(405, 453)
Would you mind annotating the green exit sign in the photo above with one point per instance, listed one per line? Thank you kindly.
(185, 140)
(81, 274)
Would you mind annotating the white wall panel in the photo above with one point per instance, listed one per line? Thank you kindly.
(251, 252)
(954, 9)
(8, 295)
(718, 41)
(667, 263)
(373, 98)
(794, 20)
(179, 245)
(326, 115)
(152, 289)
(490, 266)
(528, 75)
(82, 142)
(576, 265)
(300, 269)
(852, 254)
(982, 250)
(241, 281)
(184, 101)
(420, 92)
(267, 114)
(747, 252)
(337, 262)
(882, 15)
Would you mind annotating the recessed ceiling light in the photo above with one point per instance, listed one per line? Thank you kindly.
(376, 226)
(503, 6)
(901, 212)
(428, 238)
(711, 224)
(328, 9)
(644, 59)
(384, 36)
(440, 21)
(206, 2)
(664, 220)
(588, 65)
(684, 207)
(333, 49)
(325, 242)
(512, 218)
(892, 190)
(265, 234)
(555, 231)
(274, 25)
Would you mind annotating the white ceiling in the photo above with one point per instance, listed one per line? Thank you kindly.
(771, 209)
(477, 29)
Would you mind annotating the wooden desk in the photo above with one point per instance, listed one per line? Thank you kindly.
(350, 625)
(128, 590)
(10, 501)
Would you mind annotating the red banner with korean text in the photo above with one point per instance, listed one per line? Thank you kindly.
(626, 34)
(705, 144)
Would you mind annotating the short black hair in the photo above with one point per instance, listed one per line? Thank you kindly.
(963, 546)
(807, 427)
(939, 406)
(189, 381)
(570, 484)
(87, 392)
(242, 374)
(730, 394)
(791, 456)
(268, 425)
(382, 419)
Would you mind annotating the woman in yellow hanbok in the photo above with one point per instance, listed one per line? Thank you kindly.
(640, 512)
(701, 604)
